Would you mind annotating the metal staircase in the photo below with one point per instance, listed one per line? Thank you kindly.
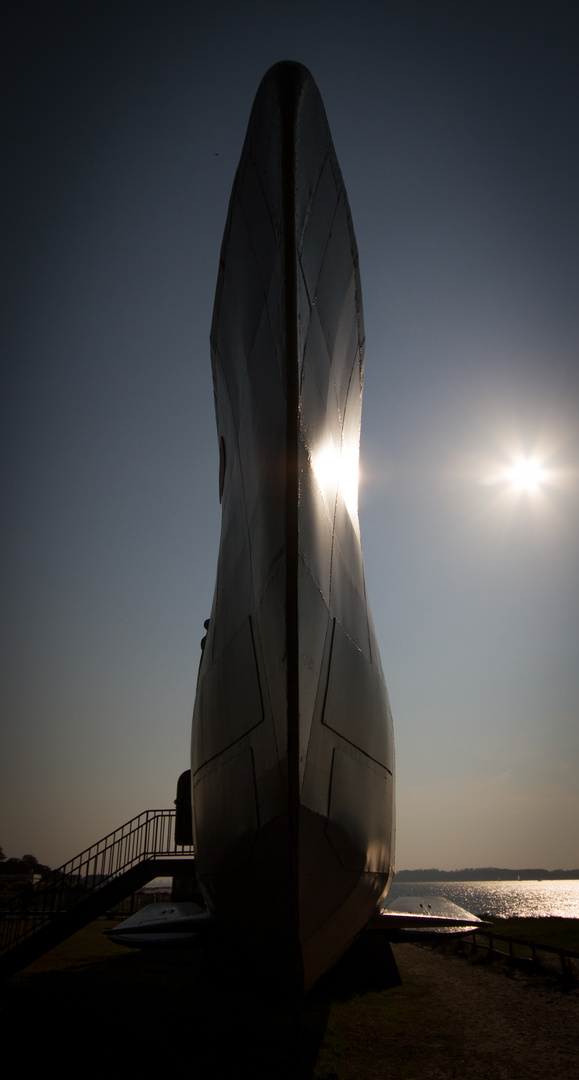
(104, 874)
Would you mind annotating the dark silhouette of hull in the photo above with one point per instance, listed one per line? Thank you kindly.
(292, 747)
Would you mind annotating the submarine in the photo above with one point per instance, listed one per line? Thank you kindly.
(292, 750)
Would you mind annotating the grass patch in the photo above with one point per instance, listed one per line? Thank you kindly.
(558, 932)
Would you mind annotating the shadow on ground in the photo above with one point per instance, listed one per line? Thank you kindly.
(138, 1009)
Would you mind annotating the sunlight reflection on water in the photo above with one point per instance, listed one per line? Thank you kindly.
(501, 899)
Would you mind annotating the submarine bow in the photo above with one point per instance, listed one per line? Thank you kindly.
(292, 746)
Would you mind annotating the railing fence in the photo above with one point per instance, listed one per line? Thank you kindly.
(149, 835)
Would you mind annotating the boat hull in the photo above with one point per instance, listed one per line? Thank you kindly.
(292, 747)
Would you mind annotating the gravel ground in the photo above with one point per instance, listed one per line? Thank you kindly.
(452, 1018)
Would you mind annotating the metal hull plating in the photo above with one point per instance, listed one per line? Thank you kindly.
(292, 748)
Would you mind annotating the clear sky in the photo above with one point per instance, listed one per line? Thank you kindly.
(457, 129)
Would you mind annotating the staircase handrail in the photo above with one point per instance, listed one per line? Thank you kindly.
(149, 835)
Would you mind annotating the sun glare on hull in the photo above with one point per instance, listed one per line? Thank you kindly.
(338, 471)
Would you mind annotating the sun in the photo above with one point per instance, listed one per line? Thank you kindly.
(526, 474)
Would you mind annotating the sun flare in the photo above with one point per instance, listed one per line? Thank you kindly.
(526, 474)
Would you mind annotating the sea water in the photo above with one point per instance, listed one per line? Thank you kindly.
(501, 899)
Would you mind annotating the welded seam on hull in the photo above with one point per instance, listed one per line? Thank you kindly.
(324, 722)
(218, 755)
(290, 94)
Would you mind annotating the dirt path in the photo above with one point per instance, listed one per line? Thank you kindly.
(454, 1019)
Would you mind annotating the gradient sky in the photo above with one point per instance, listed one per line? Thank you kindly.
(457, 129)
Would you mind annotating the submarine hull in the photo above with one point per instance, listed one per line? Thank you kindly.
(292, 745)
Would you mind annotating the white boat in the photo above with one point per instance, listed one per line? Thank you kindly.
(167, 924)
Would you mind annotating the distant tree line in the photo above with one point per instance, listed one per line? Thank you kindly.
(28, 864)
(485, 873)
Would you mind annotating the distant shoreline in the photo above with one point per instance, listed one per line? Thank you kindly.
(486, 873)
